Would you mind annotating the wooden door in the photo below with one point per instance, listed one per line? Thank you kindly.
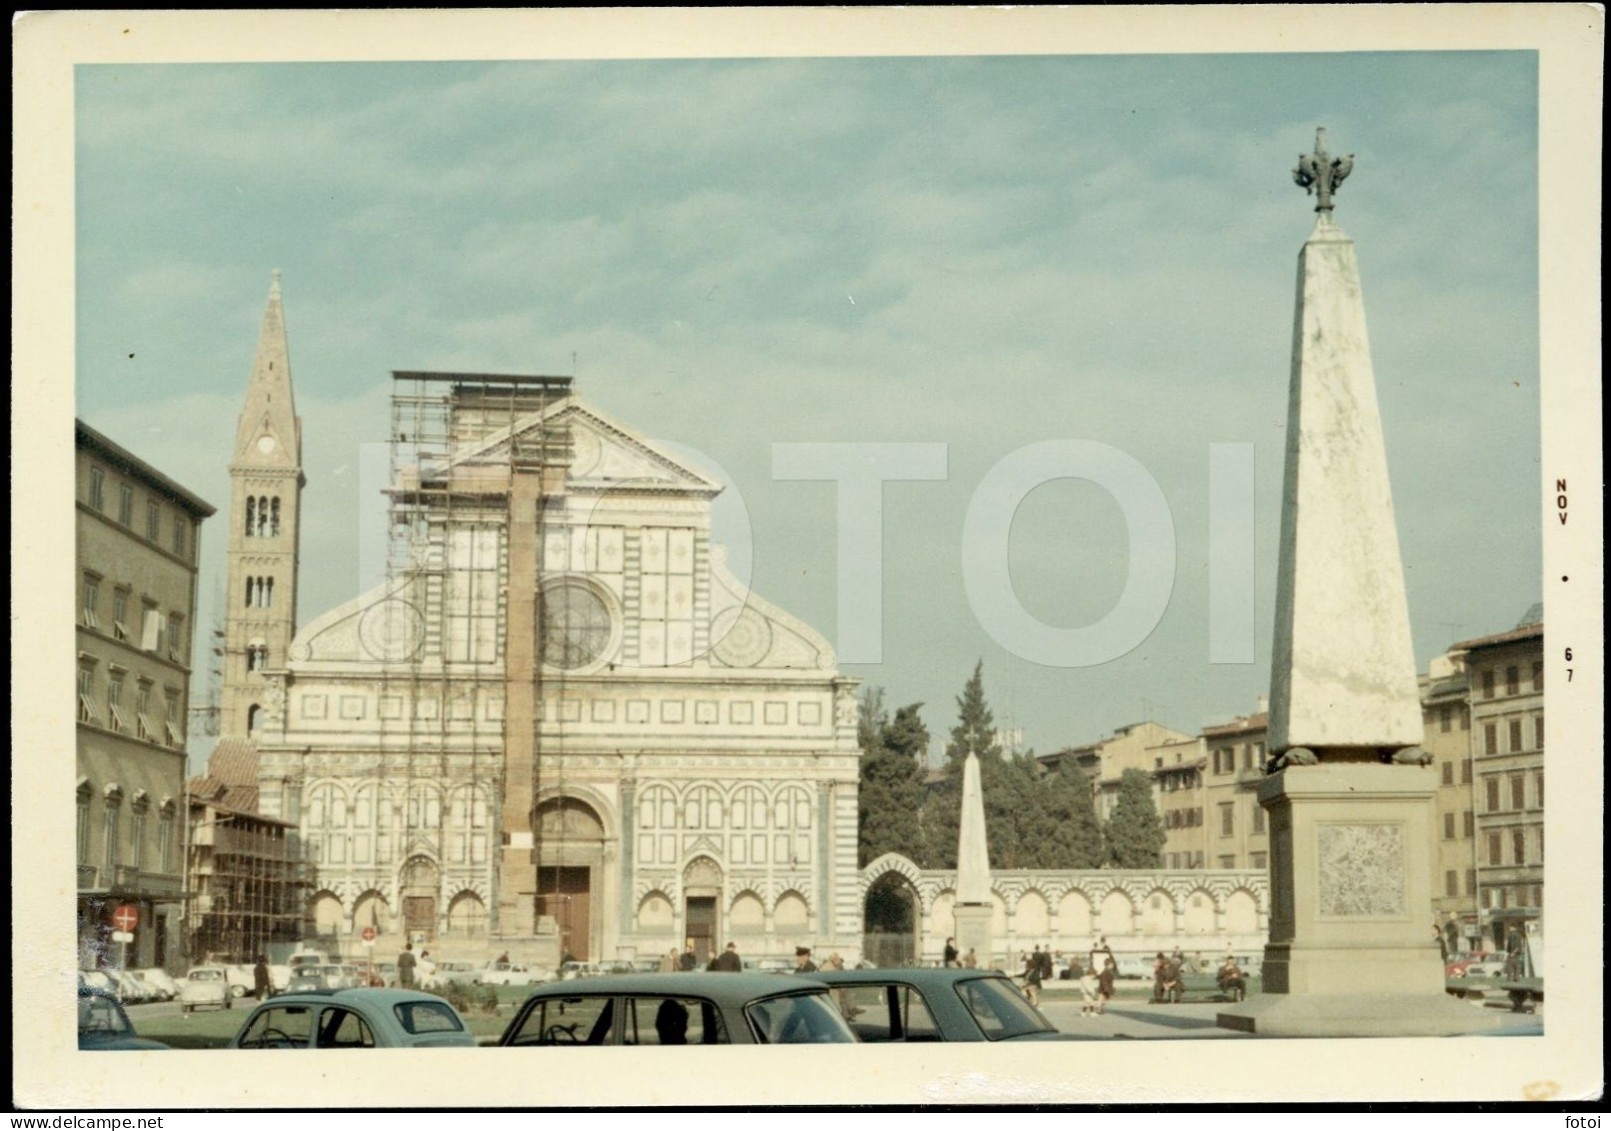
(566, 894)
(419, 915)
(702, 926)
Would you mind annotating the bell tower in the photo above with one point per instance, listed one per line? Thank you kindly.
(266, 484)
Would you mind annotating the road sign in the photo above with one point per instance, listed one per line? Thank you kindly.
(122, 936)
(126, 918)
(369, 934)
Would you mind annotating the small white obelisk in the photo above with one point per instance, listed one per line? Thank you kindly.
(974, 910)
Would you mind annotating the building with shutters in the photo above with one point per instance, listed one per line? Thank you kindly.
(138, 535)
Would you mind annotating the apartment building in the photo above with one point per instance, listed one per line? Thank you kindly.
(1506, 681)
(138, 541)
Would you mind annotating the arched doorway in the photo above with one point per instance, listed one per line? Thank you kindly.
(890, 921)
(420, 883)
(702, 895)
(570, 864)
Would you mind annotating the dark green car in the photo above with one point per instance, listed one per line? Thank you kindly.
(695, 1008)
(937, 1004)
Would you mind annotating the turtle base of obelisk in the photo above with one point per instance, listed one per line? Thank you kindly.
(974, 930)
(1352, 952)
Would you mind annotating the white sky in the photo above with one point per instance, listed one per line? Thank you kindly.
(981, 252)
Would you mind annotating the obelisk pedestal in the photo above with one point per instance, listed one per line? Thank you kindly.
(974, 909)
(1350, 953)
(1351, 804)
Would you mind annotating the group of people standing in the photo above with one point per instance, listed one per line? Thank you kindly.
(953, 958)
(408, 964)
(729, 962)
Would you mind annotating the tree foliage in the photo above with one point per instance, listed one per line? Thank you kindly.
(1074, 839)
(1135, 832)
(893, 767)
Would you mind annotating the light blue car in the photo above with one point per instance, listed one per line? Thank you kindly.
(354, 1019)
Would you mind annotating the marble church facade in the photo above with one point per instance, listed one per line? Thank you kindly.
(677, 761)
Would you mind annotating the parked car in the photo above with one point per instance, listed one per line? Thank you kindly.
(242, 979)
(387, 973)
(574, 969)
(308, 958)
(205, 985)
(511, 974)
(1459, 962)
(98, 980)
(102, 1023)
(929, 1004)
(354, 1019)
(1134, 966)
(128, 989)
(159, 986)
(691, 1008)
(642, 966)
(445, 972)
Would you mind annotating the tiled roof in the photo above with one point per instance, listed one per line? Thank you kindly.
(234, 762)
(1258, 721)
(1525, 632)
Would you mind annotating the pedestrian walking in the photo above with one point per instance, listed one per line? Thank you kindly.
(1032, 977)
(1088, 991)
(405, 967)
(802, 961)
(1104, 983)
(971, 960)
(670, 962)
(835, 962)
(689, 960)
(427, 969)
(950, 952)
(260, 978)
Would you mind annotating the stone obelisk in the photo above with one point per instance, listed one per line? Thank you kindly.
(974, 910)
(1351, 951)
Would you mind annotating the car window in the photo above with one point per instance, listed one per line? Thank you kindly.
(427, 1017)
(797, 1019)
(343, 1029)
(578, 1020)
(101, 1015)
(206, 975)
(279, 1027)
(886, 1012)
(671, 1021)
(999, 1008)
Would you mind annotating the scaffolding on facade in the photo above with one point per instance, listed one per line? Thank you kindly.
(467, 456)
(248, 887)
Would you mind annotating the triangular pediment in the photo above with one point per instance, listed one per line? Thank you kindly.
(607, 455)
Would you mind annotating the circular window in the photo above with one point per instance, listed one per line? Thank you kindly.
(576, 626)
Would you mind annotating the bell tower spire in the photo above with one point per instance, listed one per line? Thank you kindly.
(264, 533)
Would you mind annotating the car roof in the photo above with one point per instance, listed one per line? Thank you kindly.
(375, 996)
(722, 987)
(914, 975)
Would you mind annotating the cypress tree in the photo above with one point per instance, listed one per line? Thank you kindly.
(890, 795)
(1135, 832)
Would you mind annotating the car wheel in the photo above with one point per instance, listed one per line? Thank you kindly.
(237, 991)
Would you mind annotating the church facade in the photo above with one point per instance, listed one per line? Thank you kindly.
(561, 725)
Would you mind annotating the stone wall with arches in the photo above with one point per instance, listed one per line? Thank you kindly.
(1138, 912)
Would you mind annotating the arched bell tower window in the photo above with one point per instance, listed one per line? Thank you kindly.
(274, 517)
(254, 719)
(251, 514)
